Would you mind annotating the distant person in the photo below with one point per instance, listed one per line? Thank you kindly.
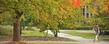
(96, 29)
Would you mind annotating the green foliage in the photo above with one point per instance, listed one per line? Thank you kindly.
(103, 12)
(32, 33)
(5, 30)
(52, 14)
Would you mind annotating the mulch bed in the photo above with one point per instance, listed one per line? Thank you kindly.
(36, 38)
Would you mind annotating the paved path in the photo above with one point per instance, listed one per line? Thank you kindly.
(82, 40)
(78, 38)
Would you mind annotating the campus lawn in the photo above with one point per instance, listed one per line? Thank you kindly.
(32, 33)
(105, 37)
(82, 33)
(89, 34)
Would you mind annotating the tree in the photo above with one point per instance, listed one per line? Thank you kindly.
(104, 14)
(19, 8)
(46, 16)
(99, 10)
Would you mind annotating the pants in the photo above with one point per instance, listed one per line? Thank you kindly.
(97, 37)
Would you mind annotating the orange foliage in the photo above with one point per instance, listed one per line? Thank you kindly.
(105, 7)
(75, 3)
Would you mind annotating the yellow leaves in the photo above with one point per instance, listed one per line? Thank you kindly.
(85, 2)
(94, 10)
(105, 7)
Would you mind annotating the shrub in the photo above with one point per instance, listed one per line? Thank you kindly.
(105, 32)
(5, 31)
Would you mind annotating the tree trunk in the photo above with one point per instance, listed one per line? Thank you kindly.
(16, 26)
(16, 30)
(20, 29)
(56, 34)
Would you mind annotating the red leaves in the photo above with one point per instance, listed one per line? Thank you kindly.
(75, 3)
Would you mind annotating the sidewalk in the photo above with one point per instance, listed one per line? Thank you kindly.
(77, 38)
(82, 40)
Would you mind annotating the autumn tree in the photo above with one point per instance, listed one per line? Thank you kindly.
(17, 8)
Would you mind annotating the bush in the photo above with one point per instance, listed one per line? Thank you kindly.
(5, 31)
(84, 28)
(80, 28)
(105, 32)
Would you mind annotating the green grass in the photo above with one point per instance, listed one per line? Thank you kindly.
(32, 33)
(85, 34)
(105, 37)
(5, 30)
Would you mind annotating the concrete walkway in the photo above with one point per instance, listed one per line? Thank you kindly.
(77, 38)
(82, 40)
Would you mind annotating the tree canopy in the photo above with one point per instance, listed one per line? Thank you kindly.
(53, 14)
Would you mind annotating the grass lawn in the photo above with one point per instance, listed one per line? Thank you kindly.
(104, 37)
(86, 34)
(32, 33)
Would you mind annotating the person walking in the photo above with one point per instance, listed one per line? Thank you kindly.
(96, 29)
